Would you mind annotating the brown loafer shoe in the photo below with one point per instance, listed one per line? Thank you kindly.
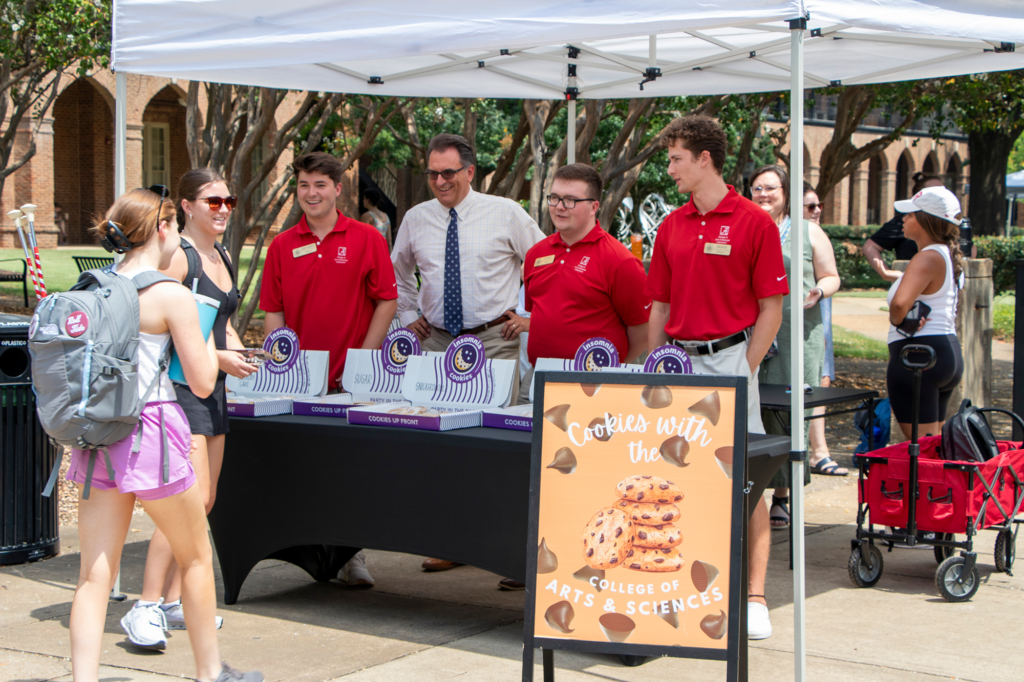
(434, 565)
(510, 585)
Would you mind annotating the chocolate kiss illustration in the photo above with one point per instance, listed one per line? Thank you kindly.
(590, 389)
(713, 626)
(547, 562)
(556, 415)
(670, 617)
(703, 575)
(674, 450)
(616, 627)
(559, 616)
(586, 573)
(656, 397)
(724, 458)
(709, 406)
(564, 461)
(605, 435)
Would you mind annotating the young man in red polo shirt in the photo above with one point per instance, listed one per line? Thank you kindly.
(717, 280)
(581, 282)
(330, 279)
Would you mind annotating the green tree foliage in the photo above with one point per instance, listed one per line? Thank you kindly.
(40, 40)
(989, 107)
(1016, 161)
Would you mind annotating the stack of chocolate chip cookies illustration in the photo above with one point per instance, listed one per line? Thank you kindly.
(637, 530)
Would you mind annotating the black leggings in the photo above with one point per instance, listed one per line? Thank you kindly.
(937, 383)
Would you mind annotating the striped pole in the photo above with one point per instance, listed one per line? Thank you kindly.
(18, 216)
(29, 210)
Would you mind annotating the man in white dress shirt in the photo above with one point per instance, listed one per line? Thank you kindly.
(469, 248)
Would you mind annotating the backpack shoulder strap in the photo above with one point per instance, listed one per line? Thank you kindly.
(226, 258)
(151, 277)
(195, 263)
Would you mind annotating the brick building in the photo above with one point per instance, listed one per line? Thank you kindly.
(71, 176)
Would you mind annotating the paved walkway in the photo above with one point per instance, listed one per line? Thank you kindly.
(456, 625)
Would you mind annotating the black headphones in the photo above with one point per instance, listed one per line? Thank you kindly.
(114, 239)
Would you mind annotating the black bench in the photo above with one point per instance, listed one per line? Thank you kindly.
(92, 262)
(13, 276)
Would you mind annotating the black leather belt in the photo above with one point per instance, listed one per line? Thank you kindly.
(476, 330)
(710, 347)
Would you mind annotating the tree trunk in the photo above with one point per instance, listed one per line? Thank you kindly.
(989, 152)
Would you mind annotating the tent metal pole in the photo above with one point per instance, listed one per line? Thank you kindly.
(120, 132)
(571, 132)
(798, 454)
(121, 137)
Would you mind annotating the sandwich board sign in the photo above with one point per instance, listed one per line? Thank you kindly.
(636, 516)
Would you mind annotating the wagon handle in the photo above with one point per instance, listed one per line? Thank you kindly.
(917, 348)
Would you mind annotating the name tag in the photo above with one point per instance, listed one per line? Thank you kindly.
(718, 249)
(303, 250)
(546, 260)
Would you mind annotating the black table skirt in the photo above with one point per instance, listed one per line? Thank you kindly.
(309, 490)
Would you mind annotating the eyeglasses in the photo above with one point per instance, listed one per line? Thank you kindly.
(814, 207)
(765, 190)
(447, 174)
(565, 201)
(216, 202)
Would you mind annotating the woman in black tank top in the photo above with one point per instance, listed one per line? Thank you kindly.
(203, 209)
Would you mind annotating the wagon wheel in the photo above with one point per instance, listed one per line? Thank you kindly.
(948, 580)
(861, 574)
(1006, 550)
(943, 553)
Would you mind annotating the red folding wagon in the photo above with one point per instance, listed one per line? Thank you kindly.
(909, 495)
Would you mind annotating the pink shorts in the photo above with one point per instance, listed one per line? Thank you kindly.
(141, 473)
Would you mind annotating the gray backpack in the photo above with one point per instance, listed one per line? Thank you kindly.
(84, 345)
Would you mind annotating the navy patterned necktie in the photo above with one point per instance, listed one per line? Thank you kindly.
(452, 278)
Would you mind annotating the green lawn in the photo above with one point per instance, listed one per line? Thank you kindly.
(849, 344)
(60, 271)
(863, 293)
(1003, 316)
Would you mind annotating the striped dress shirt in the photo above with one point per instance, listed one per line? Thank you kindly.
(494, 235)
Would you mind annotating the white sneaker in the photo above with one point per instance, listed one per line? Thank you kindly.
(759, 625)
(145, 626)
(175, 617)
(354, 573)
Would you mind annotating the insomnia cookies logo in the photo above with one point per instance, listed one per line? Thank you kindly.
(464, 359)
(668, 360)
(397, 348)
(594, 354)
(283, 346)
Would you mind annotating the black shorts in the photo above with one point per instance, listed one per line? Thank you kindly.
(206, 416)
(937, 383)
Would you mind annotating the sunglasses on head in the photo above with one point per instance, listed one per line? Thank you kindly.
(216, 202)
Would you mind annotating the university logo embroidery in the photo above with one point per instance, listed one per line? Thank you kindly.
(582, 265)
(342, 257)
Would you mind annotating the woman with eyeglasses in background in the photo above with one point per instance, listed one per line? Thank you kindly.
(204, 206)
(819, 460)
(159, 474)
(817, 279)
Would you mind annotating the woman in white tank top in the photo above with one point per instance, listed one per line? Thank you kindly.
(159, 474)
(932, 278)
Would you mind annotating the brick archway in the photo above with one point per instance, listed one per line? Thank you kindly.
(164, 146)
(83, 157)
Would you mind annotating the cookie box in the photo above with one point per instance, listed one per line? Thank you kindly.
(517, 418)
(408, 416)
(336, 405)
(259, 407)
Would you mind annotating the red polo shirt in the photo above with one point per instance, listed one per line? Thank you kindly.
(713, 268)
(327, 292)
(574, 293)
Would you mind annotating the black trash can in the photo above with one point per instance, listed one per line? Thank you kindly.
(28, 521)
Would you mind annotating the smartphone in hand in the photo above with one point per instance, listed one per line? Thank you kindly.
(912, 322)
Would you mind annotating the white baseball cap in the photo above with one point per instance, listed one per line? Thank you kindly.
(938, 201)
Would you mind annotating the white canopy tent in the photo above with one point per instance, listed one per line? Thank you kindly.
(584, 48)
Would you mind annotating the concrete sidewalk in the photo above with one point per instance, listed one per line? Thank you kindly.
(416, 626)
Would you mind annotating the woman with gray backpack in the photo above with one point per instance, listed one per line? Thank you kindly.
(152, 463)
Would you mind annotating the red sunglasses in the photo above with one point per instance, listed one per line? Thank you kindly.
(216, 202)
